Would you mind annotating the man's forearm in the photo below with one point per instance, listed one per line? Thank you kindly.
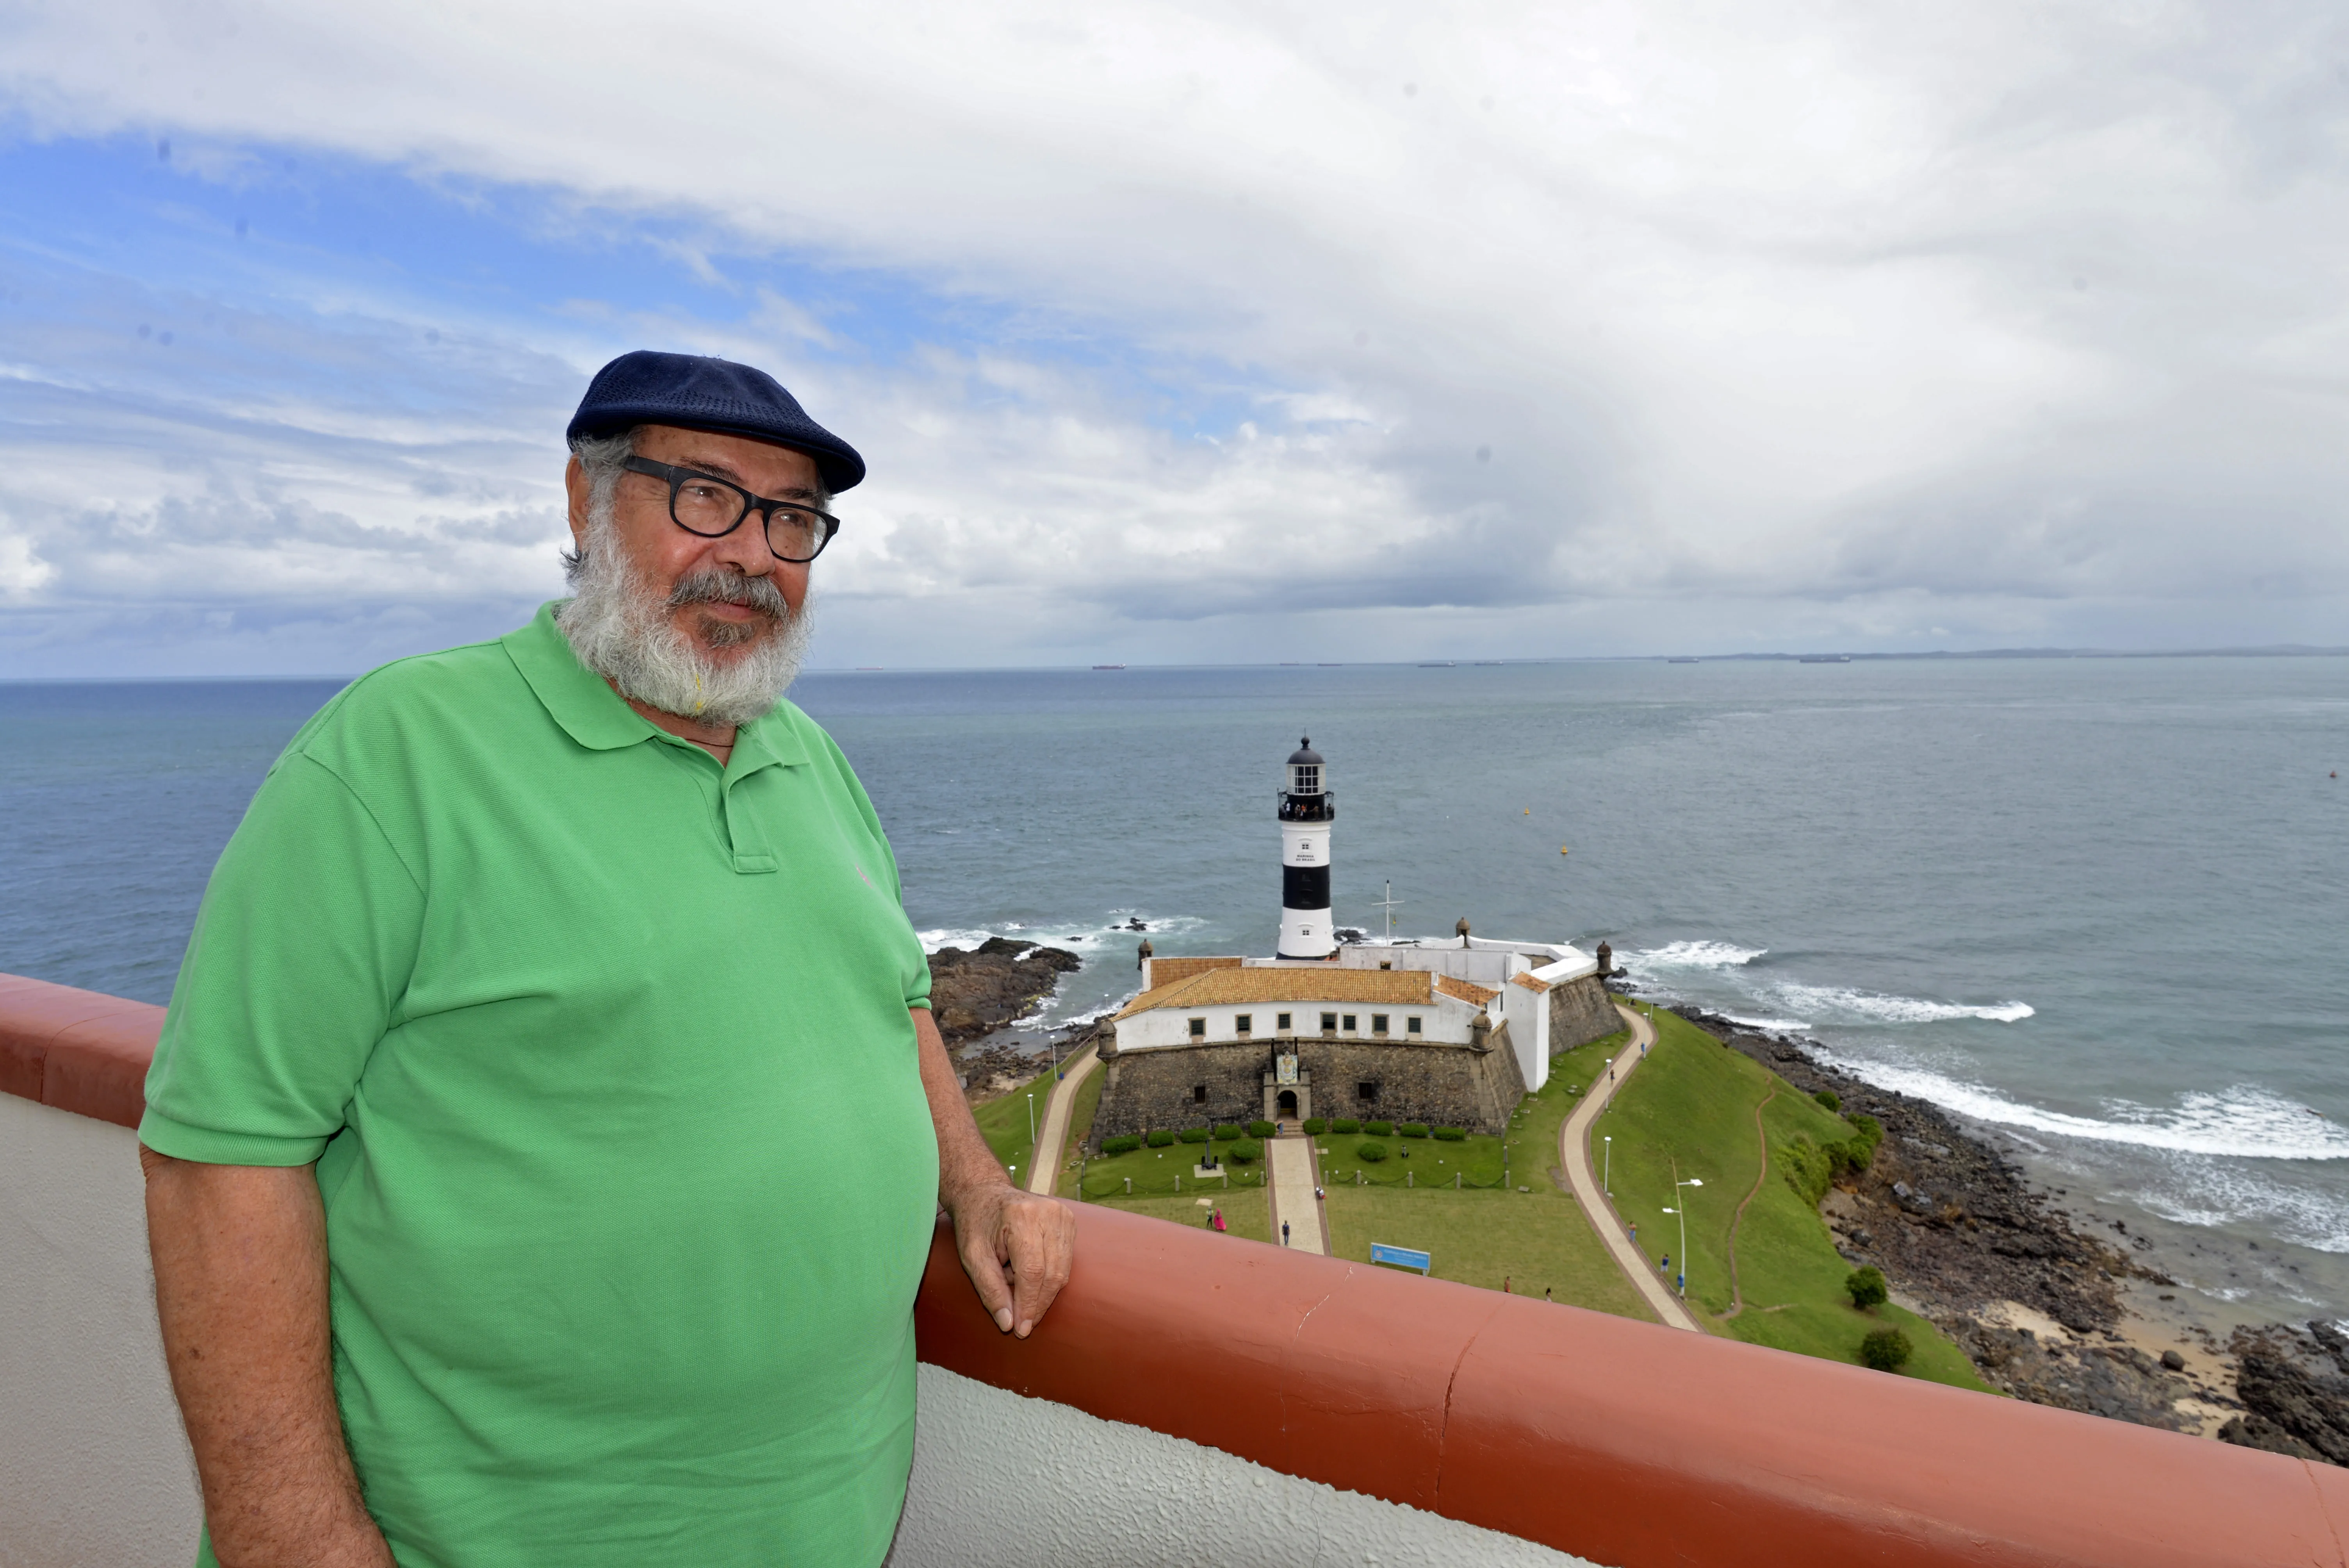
(965, 1161)
(241, 1289)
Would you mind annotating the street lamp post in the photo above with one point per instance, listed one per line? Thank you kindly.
(1681, 1211)
(1610, 1182)
(1031, 1118)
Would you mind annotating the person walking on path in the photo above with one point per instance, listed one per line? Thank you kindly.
(1284, 1232)
(474, 1240)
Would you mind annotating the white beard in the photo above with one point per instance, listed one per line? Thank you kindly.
(620, 628)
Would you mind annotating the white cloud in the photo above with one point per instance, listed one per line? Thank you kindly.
(1994, 317)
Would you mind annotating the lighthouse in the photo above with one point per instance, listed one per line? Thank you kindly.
(1307, 810)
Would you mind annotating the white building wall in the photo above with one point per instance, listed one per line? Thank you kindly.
(1444, 1020)
(1529, 1016)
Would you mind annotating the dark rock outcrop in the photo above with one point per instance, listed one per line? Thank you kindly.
(2294, 1384)
(975, 992)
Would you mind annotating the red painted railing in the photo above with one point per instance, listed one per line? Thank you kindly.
(1619, 1441)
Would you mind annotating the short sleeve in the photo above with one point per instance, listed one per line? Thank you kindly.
(301, 952)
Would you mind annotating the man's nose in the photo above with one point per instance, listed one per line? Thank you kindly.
(745, 549)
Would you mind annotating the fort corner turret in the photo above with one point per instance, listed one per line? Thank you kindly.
(1306, 811)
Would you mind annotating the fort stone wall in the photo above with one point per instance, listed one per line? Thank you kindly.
(1442, 1085)
(1580, 1011)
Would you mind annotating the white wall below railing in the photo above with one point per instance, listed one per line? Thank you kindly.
(95, 1471)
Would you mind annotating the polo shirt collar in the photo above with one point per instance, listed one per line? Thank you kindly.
(593, 714)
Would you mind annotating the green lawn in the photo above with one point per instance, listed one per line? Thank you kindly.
(1691, 1108)
(1533, 1239)
(1411, 1163)
(1164, 1172)
(1247, 1211)
(1003, 1121)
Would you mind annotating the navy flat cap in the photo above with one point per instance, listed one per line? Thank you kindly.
(702, 394)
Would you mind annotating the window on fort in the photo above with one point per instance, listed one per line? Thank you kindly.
(1411, 1026)
(1280, 1021)
(1198, 1028)
(1198, 1094)
(1242, 1025)
(1328, 1023)
(1368, 1093)
(1350, 1023)
(1377, 1022)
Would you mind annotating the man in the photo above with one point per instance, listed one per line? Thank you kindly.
(546, 1131)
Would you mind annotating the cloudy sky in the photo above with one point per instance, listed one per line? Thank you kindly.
(1193, 333)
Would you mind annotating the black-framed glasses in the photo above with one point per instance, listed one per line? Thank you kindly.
(713, 508)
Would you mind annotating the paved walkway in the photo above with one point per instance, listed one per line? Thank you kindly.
(1053, 1138)
(1289, 1163)
(1574, 1153)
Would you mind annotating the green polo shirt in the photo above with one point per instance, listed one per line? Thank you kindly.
(601, 1051)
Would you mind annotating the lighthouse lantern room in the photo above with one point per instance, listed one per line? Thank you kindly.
(1306, 811)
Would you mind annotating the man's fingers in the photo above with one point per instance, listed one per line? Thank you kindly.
(986, 1271)
(1039, 1240)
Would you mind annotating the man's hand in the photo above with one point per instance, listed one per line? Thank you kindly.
(1018, 1247)
(1002, 1232)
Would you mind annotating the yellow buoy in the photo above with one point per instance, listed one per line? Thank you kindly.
(1563, 850)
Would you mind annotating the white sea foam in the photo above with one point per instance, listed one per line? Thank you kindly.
(2244, 1122)
(1063, 931)
(1694, 956)
(943, 937)
(1767, 1023)
(1842, 1002)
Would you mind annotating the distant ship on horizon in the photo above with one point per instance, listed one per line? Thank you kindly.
(1825, 659)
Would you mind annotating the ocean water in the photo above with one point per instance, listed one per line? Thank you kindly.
(2097, 907)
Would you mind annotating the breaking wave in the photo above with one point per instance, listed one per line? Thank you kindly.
(2241, 1123)
(1063, 932)
(1694, 956)
(1842, 1002)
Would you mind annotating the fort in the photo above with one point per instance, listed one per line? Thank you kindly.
(1450, 1033)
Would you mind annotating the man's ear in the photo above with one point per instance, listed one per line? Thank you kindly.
(574, 486)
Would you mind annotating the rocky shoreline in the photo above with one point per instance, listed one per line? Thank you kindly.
(976, 992)
(2052, 1311)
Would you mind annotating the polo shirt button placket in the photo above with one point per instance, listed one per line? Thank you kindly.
(752, 856)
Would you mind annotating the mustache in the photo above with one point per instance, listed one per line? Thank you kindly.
(721, 587)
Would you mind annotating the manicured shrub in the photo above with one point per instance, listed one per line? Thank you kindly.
(1194, 1135)
(1867, 1287)
(1245, 1151)
(1124, 1143)
(1451, 1134)
(1260, 1127)
(1226, 1132)
(1829, 1097)
(1378, 1129)
(1886, 1349)
(1345, 1124)
(1413, 1130)
(1315, 1126)
(1160, 1139)
(1371, 1151)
